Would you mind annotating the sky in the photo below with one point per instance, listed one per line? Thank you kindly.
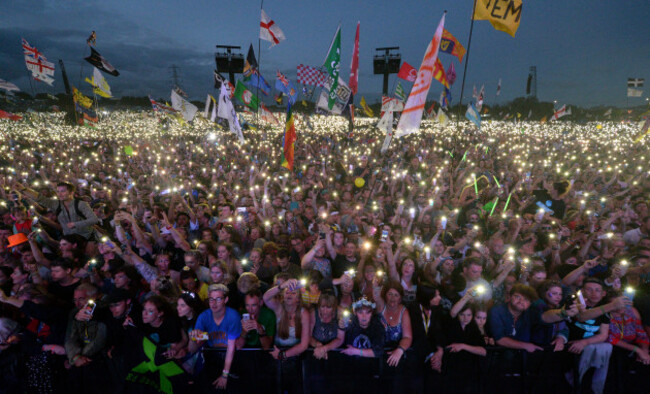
(584, 50)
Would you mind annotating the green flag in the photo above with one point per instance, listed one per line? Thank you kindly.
(399, 92)
(333, 65)
(246, 96)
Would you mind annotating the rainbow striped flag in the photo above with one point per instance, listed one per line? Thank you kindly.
(289, 140)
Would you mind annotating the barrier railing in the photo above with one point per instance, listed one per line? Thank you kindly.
(501, 370)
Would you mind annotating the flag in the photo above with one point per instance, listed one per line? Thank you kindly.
(608, 113)
(159, 107)
(269, 31)
(246, 96)
(439, 73)
(283, 84)
(251, 63)
(365, 107)
(41, 69)
(354, 64)
(308, 75)
(449, 44)
(342, 96)
(632, 85)
(451, 74)
(187, 110)
(473, 115)
(257, 81)
(80, 99)
(206, 109)
(389, 104)
(385, 124)
(399, 92)
(267, 115)
(503, 17)
(332, 65)
(92, 38)
(227, 111)
(563, 111)
(9, 115)
(8, 86)
(480, 97)
(543, 120)
(499, 88)
(407, 72)
(644, 130)
(445, 98)
(213, 115)
(289, 141)
(100, 86)
(442, 117)
(98, 61)
(412, 115)
(278, 98)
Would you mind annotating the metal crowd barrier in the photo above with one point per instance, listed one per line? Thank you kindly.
(500, 371)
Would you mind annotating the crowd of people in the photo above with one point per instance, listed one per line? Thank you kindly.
(139, 257)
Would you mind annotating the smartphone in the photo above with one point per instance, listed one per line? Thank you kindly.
(443, 222)
(246, 316)
(108, 242)
(241, 209)
(581, 299)
(35, 221)
(91, 304)
(384, 235)
(321, 235)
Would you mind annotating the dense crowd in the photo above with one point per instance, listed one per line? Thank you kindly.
(142, 247)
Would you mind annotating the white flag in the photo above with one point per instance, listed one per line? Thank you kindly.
(563, 111)
(442, 117)
(8, 86)
(206, 110)
(37, 63)
(100, 84)
(412, 114)
(269, 31)
(386, 122)
(187, 109)
(227, 111)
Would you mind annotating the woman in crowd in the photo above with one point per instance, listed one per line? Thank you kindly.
(162, 326)
(325, 335)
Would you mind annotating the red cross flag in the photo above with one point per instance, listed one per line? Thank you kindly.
(41, 69)
(269, 31)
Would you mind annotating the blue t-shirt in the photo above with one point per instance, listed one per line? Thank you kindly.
(230, 327)
(502, 323)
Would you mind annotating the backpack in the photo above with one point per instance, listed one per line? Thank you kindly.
(76, 209)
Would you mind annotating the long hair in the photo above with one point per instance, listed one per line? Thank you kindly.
(285, 320)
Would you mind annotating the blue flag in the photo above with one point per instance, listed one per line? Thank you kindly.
(285, 86)
(255, 80)
(473, 115)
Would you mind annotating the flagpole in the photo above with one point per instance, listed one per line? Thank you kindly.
(259, 68)
(469, 43)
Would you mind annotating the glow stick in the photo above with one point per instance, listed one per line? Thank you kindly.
(496, 201)
(507, 202)
(475, 186)
(495, 179)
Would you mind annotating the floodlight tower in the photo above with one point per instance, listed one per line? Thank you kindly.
(229, 62)
(387, 63)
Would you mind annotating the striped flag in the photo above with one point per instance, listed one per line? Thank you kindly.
(269, 31)
(289, 141)
(399, 92)
(8, 86)
(439, 74)
(412, 114)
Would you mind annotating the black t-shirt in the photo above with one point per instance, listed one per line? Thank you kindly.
(169, 332)
(63, 293)
(372, 337)
(582, 330)
(342, 264)
(543, 197)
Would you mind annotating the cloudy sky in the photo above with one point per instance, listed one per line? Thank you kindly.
(584, 50)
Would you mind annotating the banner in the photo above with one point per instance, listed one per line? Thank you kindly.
(504, 15)
(341, 96)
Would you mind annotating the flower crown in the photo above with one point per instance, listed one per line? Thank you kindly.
(362, 303)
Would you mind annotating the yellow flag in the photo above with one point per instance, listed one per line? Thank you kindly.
(504, 15)
(543, 120)
(81, 99)
(365, 107)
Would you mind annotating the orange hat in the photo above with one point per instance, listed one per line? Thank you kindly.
(16, 239)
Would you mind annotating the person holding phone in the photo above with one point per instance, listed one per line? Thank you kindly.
(85, 341)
